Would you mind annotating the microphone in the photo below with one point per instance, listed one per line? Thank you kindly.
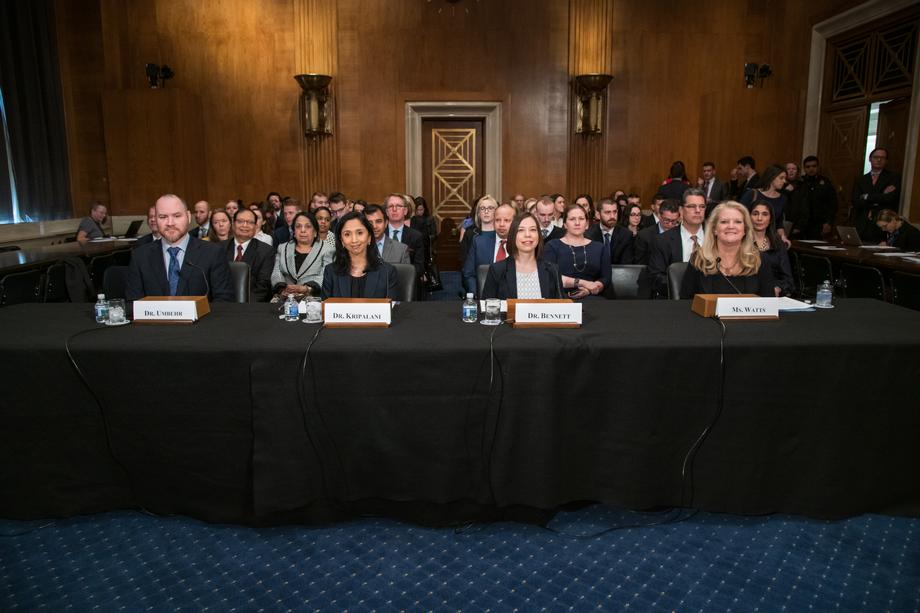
(203, 276)
(727, 280)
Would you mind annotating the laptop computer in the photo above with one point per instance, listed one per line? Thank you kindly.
(133, 229)
(849, 236)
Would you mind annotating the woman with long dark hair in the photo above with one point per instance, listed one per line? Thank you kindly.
(524, 273)
(772, 250)
(773, 179)
(358, 271)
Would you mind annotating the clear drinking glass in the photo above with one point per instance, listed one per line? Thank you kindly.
(492, 313)
(117, 314)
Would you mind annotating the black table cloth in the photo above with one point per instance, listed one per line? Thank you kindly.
(224, 420)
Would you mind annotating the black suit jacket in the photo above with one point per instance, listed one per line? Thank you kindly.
(869, 199)
(555, 233)
(412, 238)
(379, 283)
(261, 260)
(642, 246)
(666, 250)
(203, 260)
(282, 234)
(501, 282)
(145, 240)
(621, 243)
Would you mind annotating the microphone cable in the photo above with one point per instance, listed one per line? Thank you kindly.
(203, 276)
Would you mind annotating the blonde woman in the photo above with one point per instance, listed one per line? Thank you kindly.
(728, 262)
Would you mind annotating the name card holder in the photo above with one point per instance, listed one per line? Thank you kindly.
(357, 312)
(745, 307)
(548, 313)
(170, 309)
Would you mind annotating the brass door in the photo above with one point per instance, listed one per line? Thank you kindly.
(452, 177)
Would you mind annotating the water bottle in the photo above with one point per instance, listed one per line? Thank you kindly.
(291, 309)
(470, 310)
(825, 295)
(102, 309)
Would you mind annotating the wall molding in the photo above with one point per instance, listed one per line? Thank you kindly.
(491, 112)
(838, 24)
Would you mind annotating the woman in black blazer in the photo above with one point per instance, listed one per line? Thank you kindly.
(358, 271)
(899, 232)
(523, 274)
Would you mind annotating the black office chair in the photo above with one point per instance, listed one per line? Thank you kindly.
(239, 276)
(121, 258)
(675, 278)
(905, 290)
(21, 287)
(481, 273)
(97, 266)
(862, 281)
(405, 281)
(813, 271)
(114, 281)
(54, 287)
(625, 280)
(796, 272)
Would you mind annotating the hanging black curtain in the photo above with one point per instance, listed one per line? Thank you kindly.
(31, 85)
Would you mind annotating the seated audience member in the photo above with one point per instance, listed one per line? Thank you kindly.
(651, 220)
(260, 257)
(282, 233)
(488, 247)
(425, 222)
(178, 264)
(524, 273)
(728, 262)
(220, 229)
(558, 209)
(544, 210)
(232, 207)
(202, 213)
(299, 263)
(586, 202)
(357, 270)
(529, 205)
(583, 263)
(518, 202)
(668, 218)
(616, 239)
(392, 252)
(677, 183)
(152, 224)
(773, 180)
(260, 227)
(678, 244)
(338, 206)
(482, 223)
(324, 219)
(899, 232)
(399, 207)
(317, 200)
(772, 250)
(633, 219)
(359, 206)
(91, 227)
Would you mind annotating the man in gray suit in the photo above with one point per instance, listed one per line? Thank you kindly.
(715, 190)
(392, 252)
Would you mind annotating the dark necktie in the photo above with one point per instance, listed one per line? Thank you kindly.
(607, 239)
(239, 254)
(173, 272)
(396, 235)
(545, 233)
(696, 243)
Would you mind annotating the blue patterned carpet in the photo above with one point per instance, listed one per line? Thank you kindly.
(585, 560)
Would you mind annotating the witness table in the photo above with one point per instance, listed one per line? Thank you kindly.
(13, 261)
(216, 421)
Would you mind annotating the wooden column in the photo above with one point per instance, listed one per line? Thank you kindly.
(316, 51)
(590, 51)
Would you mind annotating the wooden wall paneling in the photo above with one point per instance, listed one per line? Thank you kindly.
(154, 145)
(78, 30)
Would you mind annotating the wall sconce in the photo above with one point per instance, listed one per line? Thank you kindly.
(158, 75)
(752, 72)
(590, 96)
(315, 104)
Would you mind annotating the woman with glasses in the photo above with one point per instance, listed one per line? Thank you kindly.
(584, 264)
(483, 224)
(633, 218)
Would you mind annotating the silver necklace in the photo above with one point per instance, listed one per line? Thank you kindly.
(584, 250)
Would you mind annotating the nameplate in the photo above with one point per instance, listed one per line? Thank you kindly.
(746, 307)
(544, 313)
(356, 312)
(170, 309)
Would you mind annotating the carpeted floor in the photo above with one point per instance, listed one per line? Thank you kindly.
(586, 560)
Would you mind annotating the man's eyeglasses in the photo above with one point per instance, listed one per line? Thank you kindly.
(245, 222)
(697, 207)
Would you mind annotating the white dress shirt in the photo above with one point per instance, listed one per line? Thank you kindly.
(687, 242)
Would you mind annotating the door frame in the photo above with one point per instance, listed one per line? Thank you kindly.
(838, 24)
(491, 112)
